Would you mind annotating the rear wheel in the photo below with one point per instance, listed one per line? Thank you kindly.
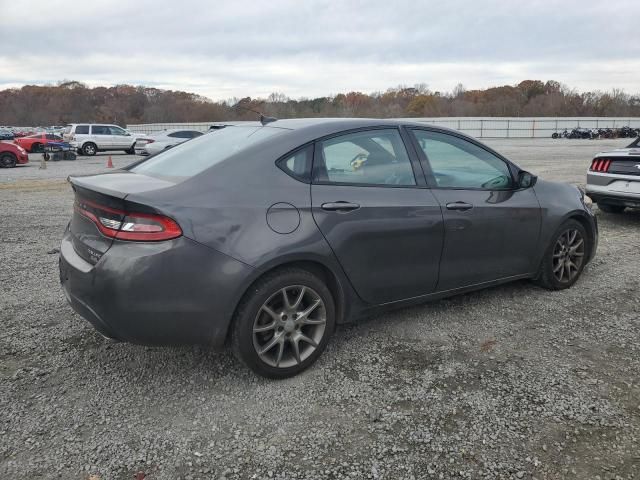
(565, 258)
(284, 323)
(130, 151)
(608, 208)
(89, 149)
(8, 160)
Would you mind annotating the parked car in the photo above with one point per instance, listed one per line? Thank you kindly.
(12, 154)
(613, 179)
(152, 144)
(35, 143)
(6, 134)
(269, 236)
(89, 138)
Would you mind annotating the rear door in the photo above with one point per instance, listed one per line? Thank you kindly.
(491, 228)
(369, 199)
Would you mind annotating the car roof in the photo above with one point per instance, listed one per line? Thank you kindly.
(309, 129)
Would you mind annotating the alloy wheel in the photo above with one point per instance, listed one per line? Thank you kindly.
(289, 326)
(568, 255)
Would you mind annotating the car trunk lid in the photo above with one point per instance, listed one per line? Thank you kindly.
(100, 206)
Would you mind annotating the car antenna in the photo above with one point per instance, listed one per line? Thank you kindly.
(264, 119)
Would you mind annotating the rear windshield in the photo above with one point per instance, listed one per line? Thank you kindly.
(192, 157)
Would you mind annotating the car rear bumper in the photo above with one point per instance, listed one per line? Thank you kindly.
(614, 189)
(156, 293)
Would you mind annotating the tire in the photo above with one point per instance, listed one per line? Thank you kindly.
(555, 135)
(8, 160)
(89, 149)
(36, 147)
(608, 208)
(284, 322)
(130, 151)
(549, 272)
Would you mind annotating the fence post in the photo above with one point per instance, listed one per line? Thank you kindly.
(458, 124)
(533, 129)
(508, 127)
(556, 125)
(481, 128)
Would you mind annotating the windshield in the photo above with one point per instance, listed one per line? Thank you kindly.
(194, 156)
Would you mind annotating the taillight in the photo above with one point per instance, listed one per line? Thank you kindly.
(132, 226)
(600, 165)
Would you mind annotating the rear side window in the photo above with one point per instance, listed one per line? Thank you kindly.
(82, 129)
(190, 158)
(298, 164)
(374, 157)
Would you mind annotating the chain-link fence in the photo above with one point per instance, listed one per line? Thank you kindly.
(479, 127)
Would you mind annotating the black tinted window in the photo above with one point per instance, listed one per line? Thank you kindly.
(82, 129)
(195, 134)
(190, 158)
(458, 163)
(374, 157)
(298, 164)
(100, 130)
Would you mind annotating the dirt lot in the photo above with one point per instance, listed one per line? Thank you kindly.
(510, 382)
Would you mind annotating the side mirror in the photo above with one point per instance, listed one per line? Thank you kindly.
(526, 179)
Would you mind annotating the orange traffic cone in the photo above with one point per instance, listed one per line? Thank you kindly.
(109, 162)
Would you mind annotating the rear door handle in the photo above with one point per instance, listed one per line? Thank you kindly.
(459, 206)
(340, 206)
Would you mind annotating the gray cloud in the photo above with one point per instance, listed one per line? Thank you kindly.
(223, 49)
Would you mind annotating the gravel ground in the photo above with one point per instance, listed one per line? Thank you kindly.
(510, 382)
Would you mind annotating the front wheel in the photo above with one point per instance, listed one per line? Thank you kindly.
(284, 323)
(8, 160)
(565, 258)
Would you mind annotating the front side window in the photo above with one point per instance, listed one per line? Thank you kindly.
(100, 130)
(458, 163)
(373, 157)
(117, 131)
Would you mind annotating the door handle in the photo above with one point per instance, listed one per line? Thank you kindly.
(459, 206)
(340, 206)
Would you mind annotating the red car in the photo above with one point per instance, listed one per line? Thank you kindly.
(34, 143)
(12, 154)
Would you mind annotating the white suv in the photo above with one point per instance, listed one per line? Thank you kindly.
(90, 138)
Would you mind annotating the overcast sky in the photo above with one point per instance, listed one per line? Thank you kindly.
(223, 49)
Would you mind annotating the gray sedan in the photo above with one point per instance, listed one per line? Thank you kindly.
(265, 237)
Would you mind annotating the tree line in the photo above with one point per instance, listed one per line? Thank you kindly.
(72, 101)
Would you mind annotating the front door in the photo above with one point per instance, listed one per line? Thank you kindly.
(384, 227)
(491, 226)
